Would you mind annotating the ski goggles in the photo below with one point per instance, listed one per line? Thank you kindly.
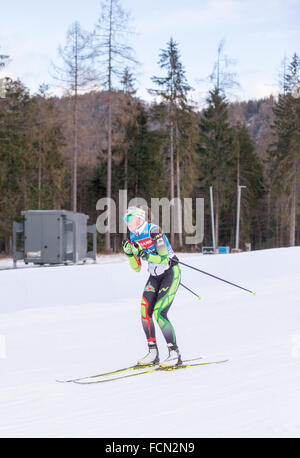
(128, 218)
(130, 214)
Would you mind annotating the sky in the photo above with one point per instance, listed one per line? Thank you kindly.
(258, 35)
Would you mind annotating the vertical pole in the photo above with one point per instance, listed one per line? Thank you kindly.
(212, 218)
(237, 242)
(237, 239)
(95, 245)
(15, 244)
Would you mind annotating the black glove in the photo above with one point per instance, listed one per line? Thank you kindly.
(173, 261)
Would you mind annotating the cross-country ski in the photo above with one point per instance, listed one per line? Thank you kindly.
(135, 367)
(157, 368)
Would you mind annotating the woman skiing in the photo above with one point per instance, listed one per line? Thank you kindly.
(147, 242)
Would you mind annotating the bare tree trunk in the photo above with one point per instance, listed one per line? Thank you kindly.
(179, 215)
(76, 74)
(293, 211)
(238, 167)
(75, 159)
(39, 181)
(284, 217)
(39, 173)
(10, 245)
(217, 216)
(109, 44)
(172, 193)
(268, 213)
(276, 225)
(136, 186)
(238, 178)
(25, 187)
(109, 157)
(109, 163)
(126, 170)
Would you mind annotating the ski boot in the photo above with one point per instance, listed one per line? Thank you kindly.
(174, 358)
(152, 356)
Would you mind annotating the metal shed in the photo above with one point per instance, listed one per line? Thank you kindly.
(53, 237)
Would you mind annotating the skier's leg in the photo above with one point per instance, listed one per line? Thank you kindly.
(168, 288)
(148, 301)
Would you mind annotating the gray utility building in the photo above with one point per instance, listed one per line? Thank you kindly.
(53, 237)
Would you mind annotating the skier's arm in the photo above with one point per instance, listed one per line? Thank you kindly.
(162, 256)
(135, 262)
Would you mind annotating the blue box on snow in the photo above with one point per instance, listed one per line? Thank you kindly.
(223, 249)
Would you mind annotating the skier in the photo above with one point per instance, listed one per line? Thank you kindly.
(147, 242)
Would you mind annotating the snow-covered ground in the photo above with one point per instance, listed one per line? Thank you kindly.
(65, 321)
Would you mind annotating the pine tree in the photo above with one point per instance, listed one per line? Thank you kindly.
(216, 153)
(173, 91)
(249, 173)
(128, 82)
(31, 166)
(48, 142)
(127, 115)
(144, 158)
(284, 153)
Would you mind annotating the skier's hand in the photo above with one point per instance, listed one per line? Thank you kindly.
(127, 247)
(173, 261)
(137, 250)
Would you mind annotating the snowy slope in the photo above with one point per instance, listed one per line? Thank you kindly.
(77, 320)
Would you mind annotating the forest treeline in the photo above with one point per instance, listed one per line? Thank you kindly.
(36, 141)
(70, 151)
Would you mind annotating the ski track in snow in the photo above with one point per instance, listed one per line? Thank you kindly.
(81, 320)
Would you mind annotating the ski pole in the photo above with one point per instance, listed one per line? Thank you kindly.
(198, 297)
(218, 278)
